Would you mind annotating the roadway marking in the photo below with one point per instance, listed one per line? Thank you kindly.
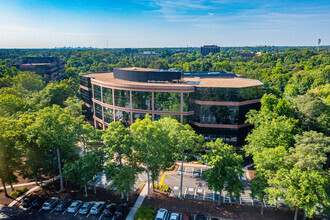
(29, 207)
(101, 216)
(53, 210)
(201, 171)
(88, 214)
(185, 171)
(65, 211)
(213, 196)
(185, 192)
(40, 210)
(76, 213)
(193, 169)
(195, 194)
(204, 195)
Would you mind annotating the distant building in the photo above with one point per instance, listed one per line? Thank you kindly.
(246, 54)
(206, 49)
(215, 104)
(150, 54)
(50, 68)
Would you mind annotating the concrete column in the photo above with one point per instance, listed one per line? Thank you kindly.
(181, 118)
(153, 105)
(130, 105)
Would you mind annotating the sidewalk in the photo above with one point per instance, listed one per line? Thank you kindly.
(31, 190)
(138, 203)
(18, 185)
(185, 164)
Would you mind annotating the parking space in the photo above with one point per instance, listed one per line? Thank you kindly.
(196, 171)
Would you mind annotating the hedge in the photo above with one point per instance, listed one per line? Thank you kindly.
(16, 193)
(145, 212)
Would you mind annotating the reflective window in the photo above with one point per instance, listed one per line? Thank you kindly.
(229, 94)
(138, 116)
(167, 101)
(141, 100)
(107, 95)
(176, 117)
(97, 92)
(108, 114)
(185, 101)
(122, 98)
(85, 81)
(124, 117)
(216, 114)
(98, 111)
(86, 96)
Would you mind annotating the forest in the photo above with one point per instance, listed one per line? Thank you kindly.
(289, 144)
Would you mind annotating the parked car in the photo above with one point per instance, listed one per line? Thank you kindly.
(121, 211)
(214, 219)
(174, 216)
(50, 203)
(161, 214)
(200, 217)
(97, 207)
(27, 202)
(74, 206)
(39, 201)
(84, 210)
(186, 216)
(110, 210)
(62, 205)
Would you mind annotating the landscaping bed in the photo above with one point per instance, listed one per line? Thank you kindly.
(160, 199)
(6, 201)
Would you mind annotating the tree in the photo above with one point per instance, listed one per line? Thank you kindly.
(301, 189)
(226, 169)
(57, 131)
(183, 138)
(118, 146)
(28, 82)
(83, 170)
(310, 151)
(149, 139)
(10, 153)
(258, 186)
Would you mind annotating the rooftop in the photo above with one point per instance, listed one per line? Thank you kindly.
(234, 82)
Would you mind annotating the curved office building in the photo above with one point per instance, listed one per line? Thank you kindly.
(213, 103)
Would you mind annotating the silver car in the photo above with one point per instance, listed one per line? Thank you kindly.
(74, 206)
(97, 207)
(50, 203)
(84, 210)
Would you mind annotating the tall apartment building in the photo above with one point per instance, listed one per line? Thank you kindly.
(213, 103)
(50, 68)
(206, 49)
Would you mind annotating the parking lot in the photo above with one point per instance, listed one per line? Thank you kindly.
(38, 213)
(196, 188)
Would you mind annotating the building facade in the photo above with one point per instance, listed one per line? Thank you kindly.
(50, 68)
(206, 49)
(214, 104)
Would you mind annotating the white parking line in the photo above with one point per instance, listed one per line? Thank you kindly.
(185, 192)
(76, 213)
(53, 210)
(185, 170)
(40, 210)
(213, 196)
(201, 171)
(195, 194)
(65, 211)
(101, 216)
(193, 170)
(29, 207)
(88, 214)
(204, 195)
(179, 170)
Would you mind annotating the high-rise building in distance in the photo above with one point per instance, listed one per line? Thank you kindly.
(50, 68)
(206, 49)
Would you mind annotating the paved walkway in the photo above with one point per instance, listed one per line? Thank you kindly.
(18, 185)
(31, 190)
(138, 202)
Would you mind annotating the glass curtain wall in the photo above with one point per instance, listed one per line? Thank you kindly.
(98, 110)
(122, 98)
(141, 100)
(107, 95)
(167, 101)
(97, 93)
(108, 114)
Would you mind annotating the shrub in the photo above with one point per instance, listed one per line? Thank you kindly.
(145, 212)
(16, 193)
(164, 187)
(139, 189)
(171, 168)
(200, 161)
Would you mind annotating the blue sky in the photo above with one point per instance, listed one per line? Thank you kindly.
(162, 23)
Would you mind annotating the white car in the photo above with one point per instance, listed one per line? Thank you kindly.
(174, 216)
(97, 207)
(50, 203)
(74, 206)
(161, 214)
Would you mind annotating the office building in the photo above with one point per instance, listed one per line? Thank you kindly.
(50, 68)
(213, 103)
(206, 49)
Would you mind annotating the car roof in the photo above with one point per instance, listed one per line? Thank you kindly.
(161, 213)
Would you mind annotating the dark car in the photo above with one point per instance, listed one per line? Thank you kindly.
(39, 201)
(63, 205)
(200, 217)
(110, 210)
(27, 202)
(121, 211)
(186, 216)
(214, 219)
